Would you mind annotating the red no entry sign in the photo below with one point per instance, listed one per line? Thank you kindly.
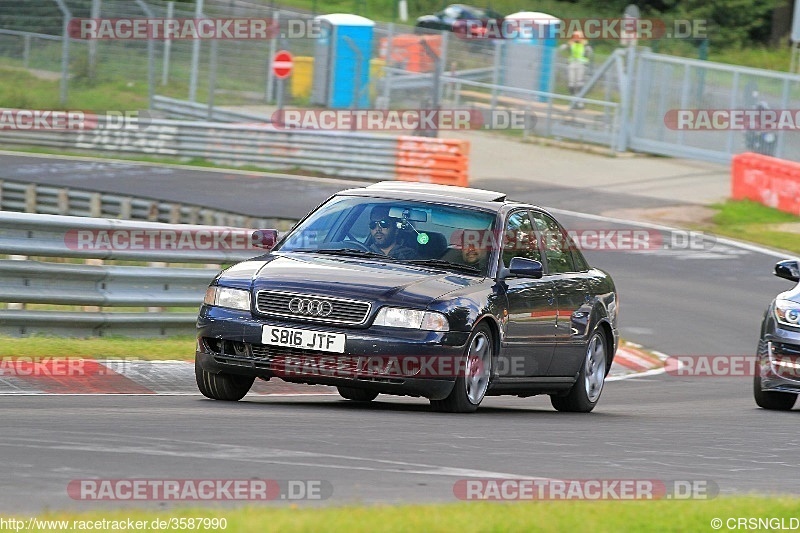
(282, 64)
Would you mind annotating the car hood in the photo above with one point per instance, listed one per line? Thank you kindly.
(792, 294)
(354, 278)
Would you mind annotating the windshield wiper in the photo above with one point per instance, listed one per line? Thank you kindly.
(347, 251)
(443, 263)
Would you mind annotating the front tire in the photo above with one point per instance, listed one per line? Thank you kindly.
(774, 401)
(225, 387)
(357, 395)
(585, 393)
(471, 384)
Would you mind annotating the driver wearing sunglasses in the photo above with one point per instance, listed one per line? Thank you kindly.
(383, 231)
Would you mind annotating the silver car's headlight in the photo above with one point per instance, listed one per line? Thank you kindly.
(396, 317)
(787, 313)
(227, 297)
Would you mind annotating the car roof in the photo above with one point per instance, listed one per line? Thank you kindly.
(410, 190)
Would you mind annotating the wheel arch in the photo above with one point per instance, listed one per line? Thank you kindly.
(605, 328)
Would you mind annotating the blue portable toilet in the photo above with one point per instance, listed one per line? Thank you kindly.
(342, 56)
(531, 53)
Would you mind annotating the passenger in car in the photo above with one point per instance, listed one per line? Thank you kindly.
(467, 251)
(383, 233)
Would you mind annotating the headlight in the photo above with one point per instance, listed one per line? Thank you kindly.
(395, 317)
(227, 297)
(787, 313)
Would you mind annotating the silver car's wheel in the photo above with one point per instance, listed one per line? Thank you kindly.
(473, 378)
(479, 361)
(585, 393)
(595, 371)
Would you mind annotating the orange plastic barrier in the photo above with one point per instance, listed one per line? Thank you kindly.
(768, 180)
(408, 52)
(428, 160)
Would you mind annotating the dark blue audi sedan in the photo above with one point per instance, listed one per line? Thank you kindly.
(776, 384)
(446, 293)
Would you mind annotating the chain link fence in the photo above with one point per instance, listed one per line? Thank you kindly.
(624, 104)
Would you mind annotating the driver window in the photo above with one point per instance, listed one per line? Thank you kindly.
(519, 239)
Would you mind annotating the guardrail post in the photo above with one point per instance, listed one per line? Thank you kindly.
(16, 305)
(125, 208)
(156, 264)
(96, 205)
(63, 201)
(152, 213)
(175, 214)
(30, 198)
(93, 262)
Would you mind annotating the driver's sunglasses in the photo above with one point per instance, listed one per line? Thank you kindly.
(384, 224)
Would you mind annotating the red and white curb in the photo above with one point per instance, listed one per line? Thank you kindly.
(26, 376)
(632, 361)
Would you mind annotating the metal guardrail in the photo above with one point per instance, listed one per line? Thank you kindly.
(177, 108)
(347, 154)
(65, 283)
(44, 199)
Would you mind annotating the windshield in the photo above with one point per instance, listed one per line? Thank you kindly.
(398, 230)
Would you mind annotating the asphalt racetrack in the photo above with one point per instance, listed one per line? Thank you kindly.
(705, 300)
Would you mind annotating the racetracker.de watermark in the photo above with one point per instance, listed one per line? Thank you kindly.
(191, 28)
(590, 28)
(733, 119)
(73, 120)
(403, 119)
(198, 489)
(584, 489)
(725, 366)
(169, 239)
(595, 239)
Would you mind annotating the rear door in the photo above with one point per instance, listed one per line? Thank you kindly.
(570, 281)
(531, 327)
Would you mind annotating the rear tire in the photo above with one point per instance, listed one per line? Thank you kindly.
(585, 393)
(471, 384)
(774, 401)
(357, 395)
(225, 387)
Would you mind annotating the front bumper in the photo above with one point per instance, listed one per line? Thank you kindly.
(779, 361)
(384, 360)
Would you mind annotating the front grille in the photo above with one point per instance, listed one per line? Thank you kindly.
(313, 308)
(295, 359)
(781, 348)
(295, 362)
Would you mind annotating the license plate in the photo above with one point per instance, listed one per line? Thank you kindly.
(305, 339)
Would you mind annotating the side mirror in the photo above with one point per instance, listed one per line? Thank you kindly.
(788, 269)
(524, 268)
(265, 238)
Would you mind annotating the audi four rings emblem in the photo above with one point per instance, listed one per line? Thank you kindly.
(306, 306)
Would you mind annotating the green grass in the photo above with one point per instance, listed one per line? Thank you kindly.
(750, 221)
(603, 516)
(98, 347)
(21, 89)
